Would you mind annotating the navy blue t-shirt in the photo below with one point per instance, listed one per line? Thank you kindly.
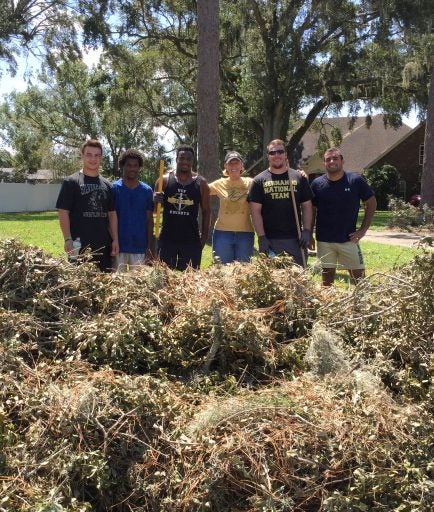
(338, 204)
(132, 207)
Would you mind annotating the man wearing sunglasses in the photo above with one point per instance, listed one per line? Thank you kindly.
(281, 207)
(337, 196)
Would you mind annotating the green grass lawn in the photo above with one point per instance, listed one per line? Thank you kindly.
(42, 230)
(381, 220)
(33, 228)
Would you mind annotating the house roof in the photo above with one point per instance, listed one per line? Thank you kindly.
(393, 146)
(39, 175)
(360, 144)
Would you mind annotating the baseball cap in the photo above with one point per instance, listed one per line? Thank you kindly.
(233, 155)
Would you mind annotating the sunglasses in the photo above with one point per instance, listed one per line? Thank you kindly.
(277, 152)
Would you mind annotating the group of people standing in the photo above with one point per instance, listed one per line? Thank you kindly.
(116, 221)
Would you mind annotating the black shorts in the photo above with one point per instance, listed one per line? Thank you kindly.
(180, 255)
(291, 247)
(102, 257)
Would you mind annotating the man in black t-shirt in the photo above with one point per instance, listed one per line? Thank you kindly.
(87, 211)
(277, 197)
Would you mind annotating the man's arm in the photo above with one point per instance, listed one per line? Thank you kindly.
(256, 214)
(306, 230)
(312, 229)
(258, 224)
(206, 211)
(158, 197)
(65, 227)
(307, 215)
(370, 206)
(113, 228)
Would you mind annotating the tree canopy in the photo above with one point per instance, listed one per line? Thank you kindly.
(283, 64)
(38, 26)
(71, 103)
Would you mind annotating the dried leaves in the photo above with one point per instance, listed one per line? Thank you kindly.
(158, 390)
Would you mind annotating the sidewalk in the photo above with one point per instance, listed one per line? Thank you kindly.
(401, 238)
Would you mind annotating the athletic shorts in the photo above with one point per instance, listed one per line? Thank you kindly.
(346, 255)
(125, 260)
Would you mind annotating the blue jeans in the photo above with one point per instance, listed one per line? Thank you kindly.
(230, 246)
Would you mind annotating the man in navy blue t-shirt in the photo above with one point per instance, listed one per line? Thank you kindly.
(134, 207)
(337, 195)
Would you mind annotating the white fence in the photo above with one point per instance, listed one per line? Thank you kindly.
(26, 197)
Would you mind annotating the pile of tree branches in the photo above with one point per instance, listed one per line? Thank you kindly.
(239, 387)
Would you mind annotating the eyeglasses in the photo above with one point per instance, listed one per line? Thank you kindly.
(276, 152)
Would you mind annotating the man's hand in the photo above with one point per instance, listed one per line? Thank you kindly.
(357, 235)
(68, 246)
(158, 197)
(264, 244)
(312, 244)
(203, 241)
(305, 238)
(302, 173)
(115, 248)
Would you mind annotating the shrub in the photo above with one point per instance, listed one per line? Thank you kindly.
(384, 182)
(404, 215)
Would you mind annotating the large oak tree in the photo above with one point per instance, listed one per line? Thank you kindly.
(277, 59)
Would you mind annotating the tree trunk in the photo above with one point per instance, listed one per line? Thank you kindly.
(427, 181)
(275, 123)
(208, 85)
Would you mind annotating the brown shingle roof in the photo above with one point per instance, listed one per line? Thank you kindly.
(360, 145)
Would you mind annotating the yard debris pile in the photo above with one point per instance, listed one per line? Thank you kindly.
(302, 445)
(152, 318)
(389, 321)
(239, 387)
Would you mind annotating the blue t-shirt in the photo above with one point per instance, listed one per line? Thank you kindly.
(132, 207)
(338, 204)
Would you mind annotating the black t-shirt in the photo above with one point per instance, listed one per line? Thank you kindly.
(273, 192)
(88, 200)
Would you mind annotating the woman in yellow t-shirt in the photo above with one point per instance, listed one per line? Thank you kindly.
(233, 235)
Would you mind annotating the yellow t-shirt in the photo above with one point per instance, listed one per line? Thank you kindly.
(234, 212)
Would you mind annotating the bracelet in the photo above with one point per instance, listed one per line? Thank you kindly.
(67, 239)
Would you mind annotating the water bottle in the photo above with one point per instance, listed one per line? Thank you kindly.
(76, 246)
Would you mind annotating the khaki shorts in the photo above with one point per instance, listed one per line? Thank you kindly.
(346, 255)
(125, 260)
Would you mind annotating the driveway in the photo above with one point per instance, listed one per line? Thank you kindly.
(391, 237)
